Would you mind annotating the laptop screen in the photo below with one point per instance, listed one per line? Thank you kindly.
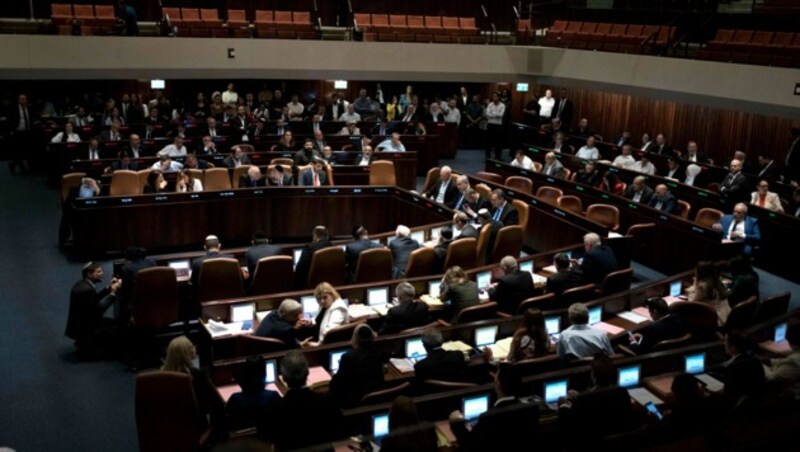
(780, 332)
(553, 325)
(675, 288)
(527, 267)
(378, 296)
(484, 279)
(433, 288)
(380, 425)
(485, 336)
(182, 268)
(415, 349)
(270, 367)
(310, 306)
(475, 406)
(695, 364)
(419, 236)
(376, 241)
(629, 376)
(595, 315)
(242, 312)
(335, 358)
(296, 255)
(554, 390)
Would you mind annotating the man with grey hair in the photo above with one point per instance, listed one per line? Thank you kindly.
(638, 191)
(734, 188)
(443, 191)
(285, 323)
(598, 260)
(462, 184)
(552, 166)
(401, 248)
(580, 340)
(439, 364)
(513, 287)
(408, 313)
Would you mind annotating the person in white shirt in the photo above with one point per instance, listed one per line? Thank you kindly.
(625, 159)
(187, 183)
(67, 136)
(167, 165)
(392, 144)
(453, 114)
(495, 112)
(230, 96)
(580, 340)
(176, 149)
(643, 166)
(336, 313)
(692, 171)
(296, 109)
(350, 129)
(351, 115)
(522, 161)
(546, 104)
(646, 141)
(366, 157)
(589, 151)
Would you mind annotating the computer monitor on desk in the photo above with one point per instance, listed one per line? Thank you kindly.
(183, 268)
(335, 358)
(484, 279)
(414, 349)
(595, 315)
(553, 325)
(553, 391)
(270, 371)
(473, 407)
(527, 267)
(486, 335)
(695, 363)
(629, 376)
(310, 306)
(675, 288)
(434, 287)
(419, 236)
(378, 296)
(242, 312)
(780, 332)
(380, 425)
(296, 253)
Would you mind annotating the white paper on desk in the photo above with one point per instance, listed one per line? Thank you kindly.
(608, 328)
(261, 315)
(360, 310)
(402, 365)
(550, 269)
(671, 300)
(430, 300)
(538, 279)
(382, 310)
(614, 235)
(456, 346)
(633, 317)
(643, 396)
(712, 384)
(317, 374)
(642, 311)
(501, 348)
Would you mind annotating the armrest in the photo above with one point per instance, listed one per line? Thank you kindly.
(504, 315)
(443, 323)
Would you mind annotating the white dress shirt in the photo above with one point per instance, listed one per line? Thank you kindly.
(495, 112)
(230, 97)
(646, 168)
(624, 161)
(347, 117)
(94, 154)
(587, 153)
(453, 116)
(527, 163)
(442, 191)
(173, 167)
(388, 146)
(71, 138)
(172, 151)
(546, 106)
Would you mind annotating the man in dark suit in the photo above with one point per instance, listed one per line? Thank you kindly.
(440, 364)
(86, 324)
(360, 369)
(564, 278)
(408, 313)
(440, 249)
(767, 169)
(382, 129)
(474, 203)
(693, 155)
(21, 119)
(135, 148)
(192, 162)
(638, 191)
(563, 109)
(673, 170)
(318, 143)
(661, 147)
(315, 176)
(401, 248)
(484, 218)
(335, 109)
(583, 130)
(210, 130)
(261, 248)
(735, 187)
(242, 128)
(506, 425)
(623, 139)
(212, 247)
(514, 287)
(237, 158)
(252, 179)
(112, 134)
(208, 146)
(360, 244)
(278, 178)
(663, 200)
(462, 229)
(665, 326)
(319, 240)
(444, 191)
(503, 211)
(285, 323)
(122, 163)
(462, 185)
(598, 261)
(324, 419)
(743, 375)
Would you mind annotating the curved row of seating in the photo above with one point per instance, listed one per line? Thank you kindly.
(775, 48)
(398, 27)
(631, 38)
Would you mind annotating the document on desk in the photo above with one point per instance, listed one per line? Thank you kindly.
(608, 328)
(642, 311)
(431, 301)
(382, 309)
(712, 384)
(550, 269)
(538, 280)
(642, 396)
(501, 348)
(219, 329)
(317, 374)
(261, 315)
(403, 365)
(360, 310)
(633, 317)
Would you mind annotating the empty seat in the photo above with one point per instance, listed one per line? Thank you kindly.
(523, 184)
(605, 214)
(61, 14)
(541, 302)
(398, 23)
(549, 194)
(154, 299)
(191, 17)
(706, 217)
(580, 294)
(283, 20)
(380, 23)
(508, 243)
(461, 252)
(302, 20)
(220, 278)
(523, 211)
(124, 182)
(420, 263)
(382, 172)
(327, 265)
(237, 18)
(491, 177)
(173, 15)
(772, 307)
(556, 32)
(416, 24)
(84, 14)
(467, 25)
(685, 208)
(433, 24)
(104, 15)
(483, 243)
(571, 203)
(362, 21)
(217, 179)
(617, 281)
(273, 274)
(483, 311)
(373, 265)
(722, 39)
(700, 318)
(450, 24)
(210, 18)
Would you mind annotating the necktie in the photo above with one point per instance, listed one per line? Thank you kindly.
(735, 225)
(496, 216)
(316, 180)
(213, 132)
(460, 200)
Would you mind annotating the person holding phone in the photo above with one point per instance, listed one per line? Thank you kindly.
(665, 326)
(86, 325)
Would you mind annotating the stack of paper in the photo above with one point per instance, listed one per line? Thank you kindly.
(633, 317)
(712, 384)
(402, 364)
(431, 301)
(317, 374)
(501, 348)
(642, 311)
(539, 280)
(610, 329)
(643, 396)
(360, 310)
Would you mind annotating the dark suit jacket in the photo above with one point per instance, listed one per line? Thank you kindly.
(302, 157)
(735, 189)
(360, 372)
(744, 378)
(276, 327)
(450, 192)
(307, 178)
(304, 263)
(771, 173)
(318, 412)
(563, 280)
(401, 248)
(669, 204)
(461, 296)
(597, 263)
(129, 271)
(106, 135)
(440, 255)
(236, 127)
(647, 194)
(441, 364)
(404, 316)
(197, 264)
(509, 216)
(244, 410)
(117, 165)
(511, 289)
(680, 173)
(352, 251)
(376, 131)
(469, 231)
(287, 181)
(13, 117)
(597, 413)
(701, 157)
(257, 252)
(86, 308)
(229, 162)
(246, 182)
(504, 427)
(665, 149)
(566, 113)
(476, 206)
(669, 327)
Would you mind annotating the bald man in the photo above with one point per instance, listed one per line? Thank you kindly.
(252, 178)
(735, 188)
(663, 200)
(444, 191)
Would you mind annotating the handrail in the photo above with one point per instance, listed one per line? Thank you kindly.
(516, 13)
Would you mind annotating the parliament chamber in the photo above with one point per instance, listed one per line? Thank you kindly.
(352, 225)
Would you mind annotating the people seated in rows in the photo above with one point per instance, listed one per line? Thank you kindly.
(638, 191)
(135, 148)
(350, 116)
(176, 149)
(747, 166)
(512, 288)
(565, 276)
(332, 313)
(766, 199)
(457, 291)
(486, 218)
(319, 240)
(692, 172)
(623, 139)
(287, 143)
(598, 260)
(328, 156)
(502, 210)
(365, 159)
(253, 178)
(253, 402)
(462, 228)
(285, 323)
(305, 155)
(693, 155)
(165, 164)
(735, 187)
(237, 158)
(68, 135)
(744, 281)
(261, 248)
(408, 313)
(739, 227)
(665, 326)
(460, 200)
(212, 247)
(692, 412)
(192, 162)
(708, 288)
(443, 191)
(360, 369)
(580, 340)
(123, 162)
(647, 141)
(277, 177)
(673, 170)
(783, 374)
(439, 364)
(589, 175)
(208, 146)
(112, 134)
(155, 182)
(316, 176)
(589, 151)
(391, 144)
(410, 114)
(92, 332)
(353, 250)
(401, 247)
(474, 203)
(530, 340)
(522, 161)
(643, 165)
(744, 377)
(186, 182)
(552, 166)
(560, 143)
(504, 426)
(663, 200)
(661, 147)
(624, 159)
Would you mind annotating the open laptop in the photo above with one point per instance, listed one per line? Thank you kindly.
(415, 351)
(419, 236)
(380, 426)
(434, 288)
(780, 332)
(473, 407)
(675, 288)
(183, 269)
(595, 315)
(378, 299)
(527, 267)
(243, 313)
(553, 391)
(695, 364)
(553, 326)
(484, 279)
(629, 379)
(435, 233)
(335, 358)
(296, 253)
(310, 306)
(485, 336)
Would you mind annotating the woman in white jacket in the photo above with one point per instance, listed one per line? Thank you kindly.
(333, 312)
(765, 198)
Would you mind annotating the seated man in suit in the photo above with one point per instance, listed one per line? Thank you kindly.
(306, 155)
(123, 163)
(212, 246)
(673, 170)
(738, 227)
(237, 158)
(315, 176)
(664, 201)
(401, 248)
(503, 211)
(552, 166)
(261, 248)
(440, 364)
(318, 410)
(743, 375)
(278, 178)
(319, 240)
(735, 187)
(285, 323)
(474, 203)
(208, 146)
(462, 228)
(245, 408)
(692, 155)
(462, 184)
(665, 326)
(112, 134)
(408, 313)
(382, 129)
(365, 159)
(353, 250)
(507, 425)
(598, 261)
(360, 369)
(638, 191)
(192, 162)
(580, 340)
(86, 325)
(514, 287)
(444, 191)
(565, 277)
(440, 249)
(252, 179)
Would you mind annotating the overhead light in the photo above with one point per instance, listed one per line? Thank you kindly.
(157, 84)
(340, 84)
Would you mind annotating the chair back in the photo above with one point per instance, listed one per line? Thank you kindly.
(386, 395)
(571, 203)
(707, 216)
(523, 211)
(773, 306)
(327, 265)
(220, 278)
(461, 252)
(507, 243)
(430, 178)
(617, 281)
(549, 194)
(434, 386)
(217, 179)
(382, 172)
(605, 214)
(70, 181)
(420, 262)
(166, 412)
(685, 208)
(483, 243)
(273, 274)
(237, 173)
(342, 333)
(491, 177)
(124, 182)
(373, 265)
(669, 344)
(484, 190)
(700, 318)
(543, 302)
(519, 183)
(143, 175)
(155, 298)
(250, 344)
(199, 175)
(643, 235)
(743, 315)
(580, 294)
(482, 311)
(287, 162)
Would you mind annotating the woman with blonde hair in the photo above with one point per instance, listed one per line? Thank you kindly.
(457, 291)
(332, 312)
(708, 288)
